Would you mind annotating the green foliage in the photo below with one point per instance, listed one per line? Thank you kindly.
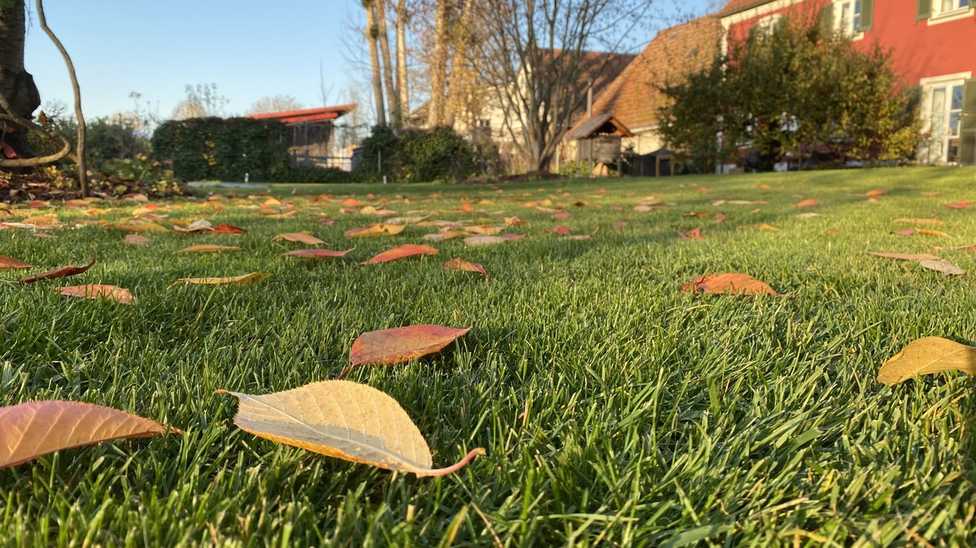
(794, 93)
(416, 155)
(223, 149)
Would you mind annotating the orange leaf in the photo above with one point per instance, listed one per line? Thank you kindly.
(962, 204)
(693, 234)
(810, 202)
(96, 292)
(62, 272)
(208, 248)
(299, 237)
(465, 266)
(9, 263)
(876, 193)
(402, 344)
(729, 284)
(317, 253)
(30, 430)
(228, 229)
(375, 230)
(402, 252)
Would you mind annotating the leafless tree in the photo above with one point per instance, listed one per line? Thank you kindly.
(276, 103)
(202, 100)
(438, 66)
(403, 78)
(392, 95)
(372, 38)
(533, 55)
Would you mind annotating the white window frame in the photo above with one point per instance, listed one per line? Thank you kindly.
(958, 10)
(936, 150)
(850, 27)
(767, 23)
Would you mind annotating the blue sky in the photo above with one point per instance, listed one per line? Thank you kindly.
(249, 48)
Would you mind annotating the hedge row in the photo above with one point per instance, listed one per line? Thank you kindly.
(224, 149)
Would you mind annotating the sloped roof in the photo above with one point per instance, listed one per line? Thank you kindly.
(594, 124)
(634, 96)
(735, 6)
(322, 114)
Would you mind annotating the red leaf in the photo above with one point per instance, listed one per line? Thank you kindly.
(9, 263)
(228, 229)
(562, 230)
(402, 344)
(693, 234)
(61, 272)
(729, 284)
(402, 252)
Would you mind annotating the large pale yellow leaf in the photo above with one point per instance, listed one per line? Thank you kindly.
(344, 420)
(209, 248)
(30, 430)
(925, 356)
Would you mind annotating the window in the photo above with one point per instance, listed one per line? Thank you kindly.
(945, 110)
(767, 24)
(848, 14)
(948, 6)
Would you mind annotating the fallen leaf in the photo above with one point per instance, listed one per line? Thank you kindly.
(943, 266)
(9, 263)
(480, 241)
(930, 232)
(767, 227)
(905, 232)
(444, 236)
(343, 420)
(136, 240)
(196, 226)
(96, 292)
(299, 237)
(810, 202)
(484, 230)
(720, 217)
(915, 257)
(402, 252)
(208, 248)
(401, 344)
(561, 230)
(317, 253)
(375, 230)
(30, 430)
(561, 216)
(876, 193)
(61, 272)
(962, 204)
(224, 228)
(140, 227)
(693, 234)
(465, 266)
(913, 221)
(729, 284)
(513, 221)
(925, 356)
(245, 279)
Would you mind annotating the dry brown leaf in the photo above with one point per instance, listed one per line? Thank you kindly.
(729, 283)
(209, 248)
(375, 230)
(943, 266)
(62, 272)
(444, 236)
(245, 279)
(465, 266)
(195, 226)
(317, 254)
(925, 356)
(402, 252)
(97, 291)
(810, 202)
(9, 263)
(480, 241)
(136, 240)
(876, 193)
(401, 344)
(224, 228)
(343, 420)
(30, 430)
(299, 238)
(914, 221)
(483, 230)
(140, 227)
(915, 257)
(930, 232)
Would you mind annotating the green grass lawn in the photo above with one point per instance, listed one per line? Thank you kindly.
(615, 409)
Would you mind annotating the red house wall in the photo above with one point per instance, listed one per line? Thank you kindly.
(918, 50)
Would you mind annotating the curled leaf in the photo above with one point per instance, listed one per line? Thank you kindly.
(925, 356)
(317, 253)
(402, 252)
(30, 430)
(245, 279)
(62, 272)
(730, 283)
(343, 420)
(465, 266)
(98, 291)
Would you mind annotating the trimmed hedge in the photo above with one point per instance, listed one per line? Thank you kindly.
(223, 149)
(416, 155)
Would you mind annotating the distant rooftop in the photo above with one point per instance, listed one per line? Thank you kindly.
(321, 114)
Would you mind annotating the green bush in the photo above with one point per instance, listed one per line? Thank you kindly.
(224, 149)
(107, 139)
(417, 155)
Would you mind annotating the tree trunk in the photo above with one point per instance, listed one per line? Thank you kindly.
(392, 97)
(76, 89)
(438, 67)
(459, 72)
(403, 84)
(18, 93)
(372, 34)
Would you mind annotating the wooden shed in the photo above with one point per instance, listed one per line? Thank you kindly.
(311, 132)
(598, 139)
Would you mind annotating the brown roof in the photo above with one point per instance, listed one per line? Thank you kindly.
(735, 6)
(634, 97)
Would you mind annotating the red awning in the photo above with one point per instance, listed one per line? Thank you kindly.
(322, 114)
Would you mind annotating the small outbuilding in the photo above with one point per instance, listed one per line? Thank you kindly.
(598, 139)
(312, 132)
